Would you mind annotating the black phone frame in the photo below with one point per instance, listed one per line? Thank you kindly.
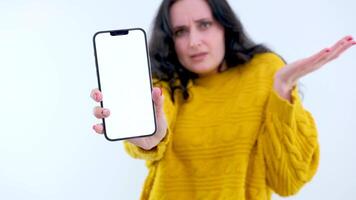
(116, 33)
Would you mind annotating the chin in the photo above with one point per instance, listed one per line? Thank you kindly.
(203, 70)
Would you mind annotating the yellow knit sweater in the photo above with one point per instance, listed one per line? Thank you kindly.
(234, 138)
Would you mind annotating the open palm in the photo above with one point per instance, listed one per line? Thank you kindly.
(287, 77)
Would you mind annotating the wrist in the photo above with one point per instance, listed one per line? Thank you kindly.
(283, 87)
(159, 136)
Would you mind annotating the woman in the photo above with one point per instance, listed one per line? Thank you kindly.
(230, 122)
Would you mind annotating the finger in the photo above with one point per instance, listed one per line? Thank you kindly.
(311, 63)
(100, 112)
(96, 95)
(342, 42)
(98, 128)
(311, 60)
(319, 59)
(321, 55)
(158, 98)
(343, 45)
(335, 51)
(314, 62)
(304, 66)
(326, 53)
(341, 50)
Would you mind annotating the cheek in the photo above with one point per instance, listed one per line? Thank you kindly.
(220, 47)
(222, 50)
(216, 40)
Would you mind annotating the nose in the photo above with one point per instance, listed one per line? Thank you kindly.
(194, 39)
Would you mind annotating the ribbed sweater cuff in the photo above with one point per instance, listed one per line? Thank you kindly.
(155, 153)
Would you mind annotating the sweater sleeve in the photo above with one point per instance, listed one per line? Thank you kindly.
(170, 109)
(290, 144)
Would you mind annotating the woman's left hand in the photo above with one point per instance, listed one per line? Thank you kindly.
(286, 78)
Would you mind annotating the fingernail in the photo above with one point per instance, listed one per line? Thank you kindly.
(349, 38)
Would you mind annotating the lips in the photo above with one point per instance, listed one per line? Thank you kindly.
(198, 56)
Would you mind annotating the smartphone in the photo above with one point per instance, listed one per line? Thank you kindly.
(124, 78)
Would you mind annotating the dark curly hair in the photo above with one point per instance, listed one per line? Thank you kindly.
(239, 48)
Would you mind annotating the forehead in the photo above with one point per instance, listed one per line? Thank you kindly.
(184, 11)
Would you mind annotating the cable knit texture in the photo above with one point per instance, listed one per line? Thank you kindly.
(234, 138)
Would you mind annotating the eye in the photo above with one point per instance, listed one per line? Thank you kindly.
(205, 24)
(180, 32)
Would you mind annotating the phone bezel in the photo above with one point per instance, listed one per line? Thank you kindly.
(150, 79)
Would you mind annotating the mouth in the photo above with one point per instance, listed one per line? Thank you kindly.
(198, 56)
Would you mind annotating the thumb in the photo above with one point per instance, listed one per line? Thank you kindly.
(158, 98)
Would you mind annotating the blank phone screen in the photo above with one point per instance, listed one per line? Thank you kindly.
(123, 72)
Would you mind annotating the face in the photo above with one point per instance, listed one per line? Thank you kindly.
(198, 38)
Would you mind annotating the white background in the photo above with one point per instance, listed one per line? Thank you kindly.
(48, 149)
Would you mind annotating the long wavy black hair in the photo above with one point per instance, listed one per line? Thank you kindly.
(239, 48)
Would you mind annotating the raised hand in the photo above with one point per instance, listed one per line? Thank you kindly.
(286, 78)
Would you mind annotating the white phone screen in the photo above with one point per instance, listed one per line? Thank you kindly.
(123, 71)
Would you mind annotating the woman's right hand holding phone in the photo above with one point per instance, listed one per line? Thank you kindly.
(148, 142)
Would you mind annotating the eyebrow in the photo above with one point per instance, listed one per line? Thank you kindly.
(196, 21)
